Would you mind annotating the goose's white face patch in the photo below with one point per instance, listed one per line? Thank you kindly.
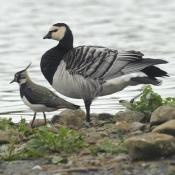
(57, 32)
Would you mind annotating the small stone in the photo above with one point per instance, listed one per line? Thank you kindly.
(85, 152)
(105, 116)
(130, 116)
(55, 119)
(38, 122)
(135, 133)
(37, 167)
(134, 126)
(58, 159)
(71, 118)
(4, 137)
(92, 139)
(162, 114)
(150, 146)
(166, 128)
(120, 157)
(122, 126)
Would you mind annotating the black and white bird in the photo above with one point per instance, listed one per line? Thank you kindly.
(86, 72)
(39, 98)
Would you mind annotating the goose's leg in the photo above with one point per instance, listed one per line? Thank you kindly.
(134, 98)
(34, 116)
(45, 121)
(87, 106)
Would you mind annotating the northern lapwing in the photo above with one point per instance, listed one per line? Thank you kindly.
(38, 98)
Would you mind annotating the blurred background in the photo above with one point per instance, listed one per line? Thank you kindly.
(145, 25)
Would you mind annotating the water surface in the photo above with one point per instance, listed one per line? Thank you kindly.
(147, 26)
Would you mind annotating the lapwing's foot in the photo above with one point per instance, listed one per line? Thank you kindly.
(87, 124)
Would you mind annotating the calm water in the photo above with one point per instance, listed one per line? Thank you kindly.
(146, 25)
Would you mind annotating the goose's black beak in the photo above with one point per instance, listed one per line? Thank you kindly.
(48, 36)
(12, 81)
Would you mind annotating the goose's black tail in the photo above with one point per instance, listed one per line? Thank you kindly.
(152, 72)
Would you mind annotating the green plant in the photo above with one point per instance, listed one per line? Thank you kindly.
(23, 128)
(149, 100)
(9, 150)
(45, 141)
(147, 103)
(41, 142)
(169, 101)
(108, 146)
(5, 124)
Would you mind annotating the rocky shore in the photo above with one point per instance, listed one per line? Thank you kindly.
(121, 144)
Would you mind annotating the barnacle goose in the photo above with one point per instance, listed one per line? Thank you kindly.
(86, 72)
(39, 98)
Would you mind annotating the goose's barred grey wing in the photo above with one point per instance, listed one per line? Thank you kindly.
(103, 63)
(90, 61)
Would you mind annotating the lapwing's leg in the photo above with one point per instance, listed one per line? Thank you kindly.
(87, 106)
(45, 121)
(34, 116)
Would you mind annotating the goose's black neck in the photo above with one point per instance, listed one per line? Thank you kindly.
(51, 59)
(67, 42)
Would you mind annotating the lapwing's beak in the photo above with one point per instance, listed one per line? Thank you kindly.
(12, 81)
(48, 36)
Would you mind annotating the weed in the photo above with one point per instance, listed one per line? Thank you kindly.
(148, 101)
(45, 141)
(5, 124)
(108, 146)
(169, 101)
(23, 128)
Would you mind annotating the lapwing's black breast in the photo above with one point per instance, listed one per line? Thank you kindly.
(26, 91)
(22, 90)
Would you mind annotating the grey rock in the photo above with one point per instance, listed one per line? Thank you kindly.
(105, 116)
(166, 128)
(4, 137)
(37, 167)
(130, 116)
(134, 126)
(38, 122)
(162, 114)
(123, 126)
(150, 146)
(70, 118)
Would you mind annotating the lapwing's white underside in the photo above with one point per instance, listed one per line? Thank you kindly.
(37, 107)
